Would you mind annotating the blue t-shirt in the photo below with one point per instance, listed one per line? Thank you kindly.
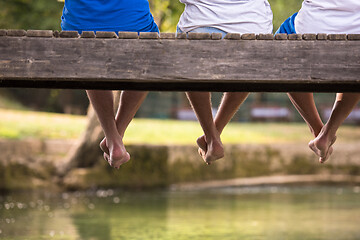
(108, 15)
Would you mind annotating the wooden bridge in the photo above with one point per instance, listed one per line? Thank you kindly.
(165, 62)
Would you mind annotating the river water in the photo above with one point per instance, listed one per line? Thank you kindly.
(268, 213)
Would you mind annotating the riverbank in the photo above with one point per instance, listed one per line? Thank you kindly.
(35, 147)
(34, 164)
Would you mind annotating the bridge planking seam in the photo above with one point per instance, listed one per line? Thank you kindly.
(189, 36)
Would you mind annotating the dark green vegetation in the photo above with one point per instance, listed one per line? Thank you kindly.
(30, 14)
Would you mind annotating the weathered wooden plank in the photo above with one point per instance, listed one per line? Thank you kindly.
(233, 36)
(216, 36)
(3, 32)
(265, 37)
(309, 36)
(69, 34)
(180, 65)
(39, 33)
(167, 35)
(128, 35)
(353, 37)
(321, 36)
(248, 36)
(337, 37)
(148, 35)
(88, 34)
(181, 36)
(100, 34)
(198, 36)
(281, 36)
(295, 37)
(16, 33)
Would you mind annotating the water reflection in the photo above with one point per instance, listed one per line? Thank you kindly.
(230, 213)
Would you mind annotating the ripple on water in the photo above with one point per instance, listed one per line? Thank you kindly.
(116, 200)
(251, 212)
(91, 206)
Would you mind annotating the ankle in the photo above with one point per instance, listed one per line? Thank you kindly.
(327, 132)
(214, 138)
(317, 130)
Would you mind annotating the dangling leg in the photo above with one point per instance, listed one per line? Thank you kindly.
(228, 107)
(201, 103)
(230, 103)
(305, 104)
(344, 104)
(102, 102)
(129, 104)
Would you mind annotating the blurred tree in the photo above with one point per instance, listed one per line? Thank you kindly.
(30, 14)
(166, 13)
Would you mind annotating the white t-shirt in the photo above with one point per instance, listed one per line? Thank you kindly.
(233, 16)
(328, 16)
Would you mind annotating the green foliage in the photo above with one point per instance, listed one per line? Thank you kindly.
(30, 14)
(166, 13)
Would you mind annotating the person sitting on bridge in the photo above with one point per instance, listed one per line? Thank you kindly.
(219, 16)
(331, 17)
(114, 16)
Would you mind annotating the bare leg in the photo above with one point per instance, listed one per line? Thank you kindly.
(129, 104)
(228, 107)
(230, 103)
(102, 102)
(344, 104)
(201, 104)
(304, 103)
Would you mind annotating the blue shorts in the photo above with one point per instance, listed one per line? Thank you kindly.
(204, 30)
(288, 26)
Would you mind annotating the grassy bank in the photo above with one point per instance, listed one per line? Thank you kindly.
(15, 124)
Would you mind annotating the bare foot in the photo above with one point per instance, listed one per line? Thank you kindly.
(322, 146)
(106, 157)
(211, 151)
(313, 147)
(202, 146)
(116, 155)
(103, 146)
(323, 159)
